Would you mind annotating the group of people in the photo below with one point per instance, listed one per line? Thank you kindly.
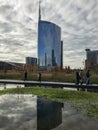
(80, 79)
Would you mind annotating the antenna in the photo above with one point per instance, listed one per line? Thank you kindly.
(39, 11)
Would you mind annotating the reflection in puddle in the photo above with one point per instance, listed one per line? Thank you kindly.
(5, 86)
(28, 112)
(49, 114)
(18, 112)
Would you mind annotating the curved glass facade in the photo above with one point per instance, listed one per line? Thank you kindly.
(49, 44)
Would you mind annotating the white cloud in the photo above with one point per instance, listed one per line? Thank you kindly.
(18, 27)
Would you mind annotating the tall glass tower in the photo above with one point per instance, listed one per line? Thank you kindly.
(49, 44)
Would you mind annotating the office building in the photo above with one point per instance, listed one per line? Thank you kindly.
(31, 61)
(7, 65)
(91, 59)
(50, 47)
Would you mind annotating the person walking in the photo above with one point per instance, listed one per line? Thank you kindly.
(39, 76)
(88, 77)
(77, 77)
(25, 75)
(81, 77)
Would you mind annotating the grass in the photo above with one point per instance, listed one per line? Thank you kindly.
(83, 101)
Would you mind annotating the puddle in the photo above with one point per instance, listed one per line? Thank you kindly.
(5, 86)
(29, 112)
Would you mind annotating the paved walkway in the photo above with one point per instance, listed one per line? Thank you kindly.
(51, 84)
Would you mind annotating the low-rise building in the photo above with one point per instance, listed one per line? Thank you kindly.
(31, 61)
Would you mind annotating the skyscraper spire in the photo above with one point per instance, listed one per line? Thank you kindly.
(39, 11)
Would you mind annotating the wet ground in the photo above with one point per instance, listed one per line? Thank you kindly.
(29, 112)
(6, 86)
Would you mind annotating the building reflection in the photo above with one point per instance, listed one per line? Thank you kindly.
(29, 111)
(49, 114)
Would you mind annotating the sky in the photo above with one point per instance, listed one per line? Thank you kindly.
(78, 20)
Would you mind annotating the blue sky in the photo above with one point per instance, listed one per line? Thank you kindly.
(19, 22)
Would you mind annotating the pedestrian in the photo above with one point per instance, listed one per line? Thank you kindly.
(77, 77)
(39, 76)
(88, 77)
(25, 75)
(81, 77)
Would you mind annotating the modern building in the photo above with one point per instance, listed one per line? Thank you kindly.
(7, 65)
(50, 46)
(91, 59)
(31, 61)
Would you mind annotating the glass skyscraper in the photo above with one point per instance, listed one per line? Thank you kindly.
(49, 44)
